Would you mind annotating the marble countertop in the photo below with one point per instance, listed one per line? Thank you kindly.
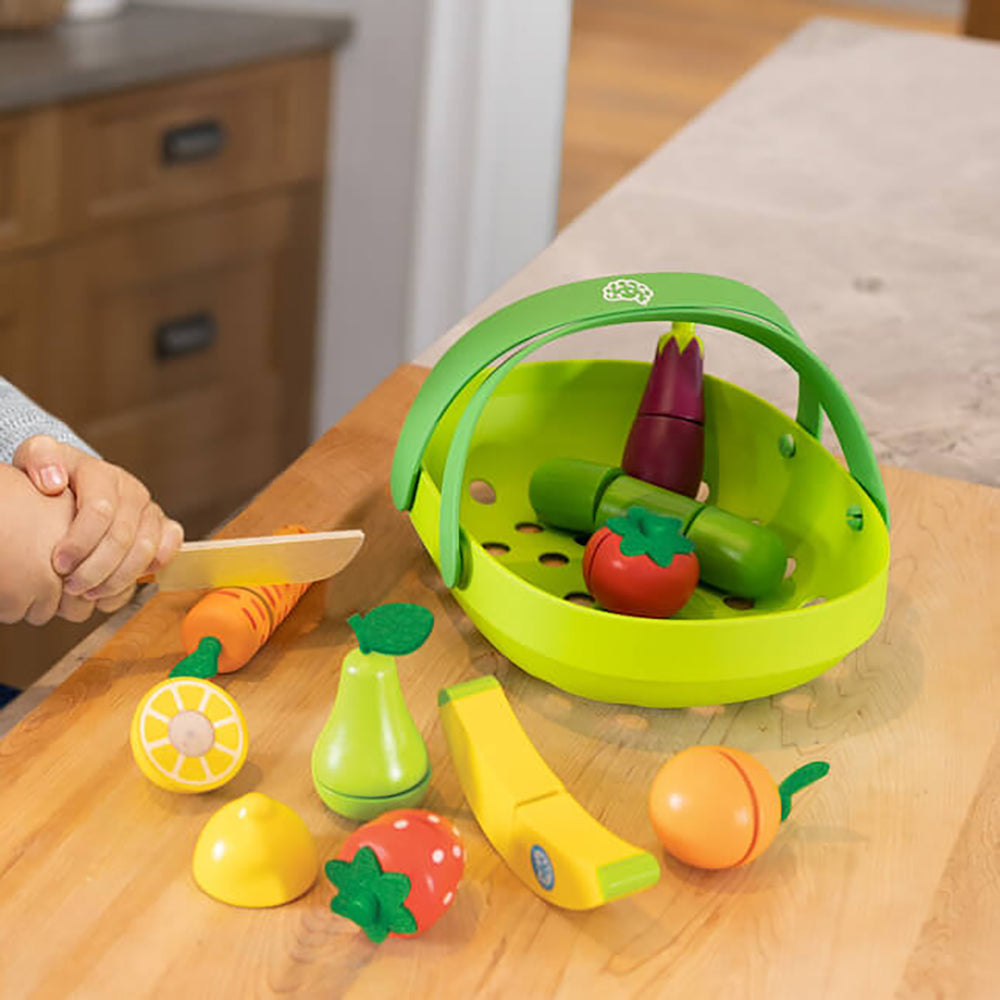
(146, 44)
(853, 176)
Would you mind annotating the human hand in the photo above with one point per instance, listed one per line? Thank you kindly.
(30, 589)
(117, 534)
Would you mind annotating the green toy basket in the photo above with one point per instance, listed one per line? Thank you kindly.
(483, 417)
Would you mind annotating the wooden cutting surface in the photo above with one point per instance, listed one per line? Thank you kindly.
(885, 881)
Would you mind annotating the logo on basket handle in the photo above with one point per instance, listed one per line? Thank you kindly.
(627, 290)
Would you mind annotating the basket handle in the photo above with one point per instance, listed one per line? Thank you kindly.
(601, 302)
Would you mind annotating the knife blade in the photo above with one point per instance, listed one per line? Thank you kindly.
(250, 562)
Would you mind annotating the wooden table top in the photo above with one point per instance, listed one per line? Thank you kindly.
(885, 880)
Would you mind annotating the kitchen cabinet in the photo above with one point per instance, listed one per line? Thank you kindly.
(159, 259)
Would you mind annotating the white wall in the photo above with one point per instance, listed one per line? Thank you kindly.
(447, 134)
(492, 144)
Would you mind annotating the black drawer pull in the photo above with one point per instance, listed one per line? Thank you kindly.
(197, 141)
(177, 338)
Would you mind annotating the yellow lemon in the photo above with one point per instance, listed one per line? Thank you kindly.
(188, 735)
(255, 851)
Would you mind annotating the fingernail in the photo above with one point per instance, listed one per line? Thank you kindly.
(63, 562)
(52, 477)
(74, 587)
(93, 595)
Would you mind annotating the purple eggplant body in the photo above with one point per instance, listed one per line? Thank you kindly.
(666, 445)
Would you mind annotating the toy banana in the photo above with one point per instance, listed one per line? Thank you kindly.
(550, 841)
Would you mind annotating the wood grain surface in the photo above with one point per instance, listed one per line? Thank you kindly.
(639, 70)
(884, 882)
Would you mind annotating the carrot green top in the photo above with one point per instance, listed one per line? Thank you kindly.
(644, 533)
(395, 629)
(203, 662)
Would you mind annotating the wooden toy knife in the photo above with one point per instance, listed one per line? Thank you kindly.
(251, 562)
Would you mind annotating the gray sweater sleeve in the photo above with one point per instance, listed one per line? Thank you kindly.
(20, 419)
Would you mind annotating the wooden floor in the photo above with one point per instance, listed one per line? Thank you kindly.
(641, 69)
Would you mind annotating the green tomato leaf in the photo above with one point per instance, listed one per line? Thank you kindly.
(394, 629)
(644, 533)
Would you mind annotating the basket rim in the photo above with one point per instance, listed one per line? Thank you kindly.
(872, 517)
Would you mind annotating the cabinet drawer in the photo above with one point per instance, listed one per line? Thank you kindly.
(29, 155)
(205, 451)
(162, 309)
(179, 144)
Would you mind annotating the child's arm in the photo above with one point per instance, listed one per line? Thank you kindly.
(30, 525)
(22, 418)
(117, 533)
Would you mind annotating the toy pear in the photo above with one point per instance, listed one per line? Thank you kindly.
(370, 757)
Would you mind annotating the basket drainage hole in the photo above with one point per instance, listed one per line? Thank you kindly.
(738, 603)
(581, 539)
(580, 597)
(704, 492)
(482, 491)
(528, 528)
(790, 567)
(553, 559)
(812, 602)
(496, 548)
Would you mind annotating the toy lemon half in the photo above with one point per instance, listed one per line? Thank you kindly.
(188, 735)
(255, 852)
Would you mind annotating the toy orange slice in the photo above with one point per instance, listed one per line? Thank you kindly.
(188, 735)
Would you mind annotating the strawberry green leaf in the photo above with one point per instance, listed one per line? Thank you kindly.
(644, 533)
(203, 662)
(373, 899)
(395, 629)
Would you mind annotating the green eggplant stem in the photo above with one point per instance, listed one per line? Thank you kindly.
(800, 778)
(203, 662)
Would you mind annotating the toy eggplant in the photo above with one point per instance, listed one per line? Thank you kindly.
(666, 445)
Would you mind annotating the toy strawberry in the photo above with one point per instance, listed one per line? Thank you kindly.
(398, 873)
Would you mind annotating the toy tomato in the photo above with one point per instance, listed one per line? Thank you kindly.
(398, 873)
(641, 564)
(717, 807)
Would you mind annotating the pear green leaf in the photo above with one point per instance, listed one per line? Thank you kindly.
(203, 662)
(644, 533)
(394, 629)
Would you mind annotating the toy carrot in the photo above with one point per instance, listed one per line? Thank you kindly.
(666, 445)
(227, 626)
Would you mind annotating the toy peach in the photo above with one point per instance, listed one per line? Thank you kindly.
(717, 807)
